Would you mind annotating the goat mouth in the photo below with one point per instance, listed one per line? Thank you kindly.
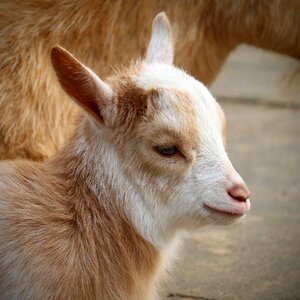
(219, 211)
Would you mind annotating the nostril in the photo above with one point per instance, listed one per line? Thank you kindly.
(239, 193)
(240, 198)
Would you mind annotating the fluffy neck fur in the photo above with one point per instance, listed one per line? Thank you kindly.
(92, 160)
(81, 217)
(110, 210)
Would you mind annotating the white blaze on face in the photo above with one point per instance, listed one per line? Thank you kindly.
(188, 109)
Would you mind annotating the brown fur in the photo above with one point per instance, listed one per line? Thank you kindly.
(36, 118)
(60, 241)
(77, 243)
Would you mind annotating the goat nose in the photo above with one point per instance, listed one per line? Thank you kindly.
(239, 192)
(237, 188)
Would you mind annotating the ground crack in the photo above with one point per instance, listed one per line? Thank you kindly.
(188, 296)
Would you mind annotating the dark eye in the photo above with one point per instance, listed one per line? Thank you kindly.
(169, 150)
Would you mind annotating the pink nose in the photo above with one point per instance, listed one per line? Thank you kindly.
(237, 188)
(239, 192)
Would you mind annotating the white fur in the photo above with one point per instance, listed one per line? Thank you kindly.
(160, 48)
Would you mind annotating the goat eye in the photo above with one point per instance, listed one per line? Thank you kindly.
(166, 150)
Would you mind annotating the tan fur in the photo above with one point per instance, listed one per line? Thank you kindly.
(71, 249)
(36, 118)
(60, 241)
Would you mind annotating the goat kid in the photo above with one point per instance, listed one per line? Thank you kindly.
(100, 219)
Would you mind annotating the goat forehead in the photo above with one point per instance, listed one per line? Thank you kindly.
(162, 75)
(183, 99)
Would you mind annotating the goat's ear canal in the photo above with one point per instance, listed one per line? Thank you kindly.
(161, 48)
(79, 82)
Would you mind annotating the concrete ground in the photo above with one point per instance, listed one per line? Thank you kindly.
(259, 256)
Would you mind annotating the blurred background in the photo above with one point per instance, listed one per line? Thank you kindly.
(259, 256)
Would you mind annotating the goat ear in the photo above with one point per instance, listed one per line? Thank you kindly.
(161, 49)
(79, 82)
